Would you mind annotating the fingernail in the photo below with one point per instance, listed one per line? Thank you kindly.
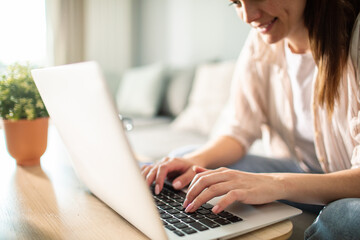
(177, 184)
(157, 189)
(216, 209)
(189, 208)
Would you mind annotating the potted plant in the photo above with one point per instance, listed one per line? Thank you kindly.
(24, 115)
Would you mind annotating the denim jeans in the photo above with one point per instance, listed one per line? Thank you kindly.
(338, 220)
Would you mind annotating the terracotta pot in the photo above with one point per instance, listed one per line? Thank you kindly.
(26, 140)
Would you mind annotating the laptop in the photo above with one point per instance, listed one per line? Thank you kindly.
(83, 111)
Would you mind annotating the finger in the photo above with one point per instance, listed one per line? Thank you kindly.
(184, 179)
(150, 171)
(198, 169)
(165, 168)
(205, 173)
(161, 174)
(229, 198)
(143, 167)
(204, 182)
(145, 170)
(150, 177)
(208, 194)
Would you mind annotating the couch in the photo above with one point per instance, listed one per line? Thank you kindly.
(172, 109)
(162, 105)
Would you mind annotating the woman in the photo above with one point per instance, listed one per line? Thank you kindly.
(299, 75)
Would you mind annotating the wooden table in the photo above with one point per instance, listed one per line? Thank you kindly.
(49, 202)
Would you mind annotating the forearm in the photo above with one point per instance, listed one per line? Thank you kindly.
(320, 188)
(221, 152)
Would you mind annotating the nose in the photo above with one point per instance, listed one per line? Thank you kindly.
(249, 12)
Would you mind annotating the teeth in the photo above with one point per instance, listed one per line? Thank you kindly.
(264, 27)
(267, 25)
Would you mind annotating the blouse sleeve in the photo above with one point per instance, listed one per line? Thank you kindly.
(355, 132)
(247, 96)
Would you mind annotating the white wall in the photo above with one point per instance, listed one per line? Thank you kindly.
(187, 32)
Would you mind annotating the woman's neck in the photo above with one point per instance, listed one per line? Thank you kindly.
(298, 41)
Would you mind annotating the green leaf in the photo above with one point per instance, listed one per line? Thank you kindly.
(19, 97)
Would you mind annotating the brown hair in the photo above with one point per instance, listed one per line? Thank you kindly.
(330, 24)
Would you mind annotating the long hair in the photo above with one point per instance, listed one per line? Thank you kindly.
(330, 24)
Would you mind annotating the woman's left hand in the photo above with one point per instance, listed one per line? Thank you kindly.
(248, 188)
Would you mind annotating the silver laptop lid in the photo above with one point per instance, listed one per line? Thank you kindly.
(81, 108)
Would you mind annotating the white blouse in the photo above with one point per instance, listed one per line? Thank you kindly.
(301, 69)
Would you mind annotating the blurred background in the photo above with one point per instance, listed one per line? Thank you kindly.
(119, 34)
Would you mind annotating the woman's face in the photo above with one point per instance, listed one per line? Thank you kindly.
(274, 19)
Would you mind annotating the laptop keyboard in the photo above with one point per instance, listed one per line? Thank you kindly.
(169, 203)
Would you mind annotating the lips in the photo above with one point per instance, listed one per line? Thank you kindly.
(264, 28)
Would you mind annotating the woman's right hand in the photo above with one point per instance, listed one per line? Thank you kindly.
(179, 169)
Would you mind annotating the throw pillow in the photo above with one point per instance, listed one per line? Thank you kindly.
(141, 90)
(178, 90)
(209, 94)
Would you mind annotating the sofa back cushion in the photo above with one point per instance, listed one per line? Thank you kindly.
(177, 91)
(209, 94)
(141, 90)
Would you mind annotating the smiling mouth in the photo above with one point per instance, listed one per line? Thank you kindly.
(266, 27)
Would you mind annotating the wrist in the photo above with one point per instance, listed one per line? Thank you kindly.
(282, 185)
(196, 160)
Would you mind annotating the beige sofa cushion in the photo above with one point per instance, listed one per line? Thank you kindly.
(141, 90)
(178, 90)
(209, 94)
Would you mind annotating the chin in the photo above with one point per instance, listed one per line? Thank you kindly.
(271, 39)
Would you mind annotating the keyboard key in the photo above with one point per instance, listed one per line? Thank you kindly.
(164, 223)
(234, 219)
(207, 206)
(198, 226)
(225, 214)
(162, 197)
(212, 216)
(159, 203)
(177, 197)
(168, 201)
(177, 232)
(180, 225)
(165, 216)
(222, 221)
(203, 211)
(188, 230)
(175, 204)
(188, 213)
(180, 215)
(165, 192)
(180, 208)
(172, 220)
(187, 220)
(171, 228)
(172, 211)
(177, 192)
(209, 223)
(165, 207)
(197, 216)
